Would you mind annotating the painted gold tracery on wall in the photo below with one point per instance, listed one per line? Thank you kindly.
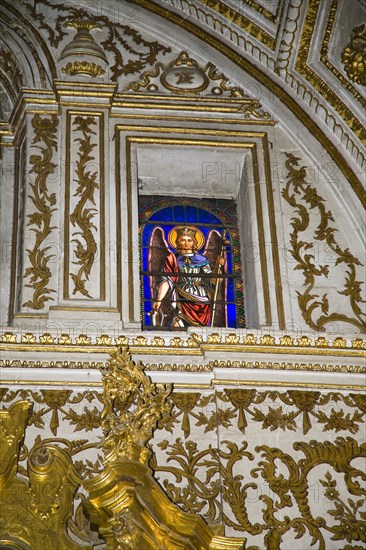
(85, 204)
(40, 220)
(304, 199)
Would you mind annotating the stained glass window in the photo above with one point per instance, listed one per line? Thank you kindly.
(190, 263)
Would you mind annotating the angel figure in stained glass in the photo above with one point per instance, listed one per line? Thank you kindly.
(186, 285)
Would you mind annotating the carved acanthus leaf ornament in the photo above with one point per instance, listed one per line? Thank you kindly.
(35, 507)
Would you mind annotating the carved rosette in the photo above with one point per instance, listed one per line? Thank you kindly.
(84, 212)
(354, 56)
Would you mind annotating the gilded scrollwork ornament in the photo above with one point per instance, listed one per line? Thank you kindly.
(128, 52)
(124, 499)
(290, 490)
(84, 212)
(36, 505)
(315, 309)
(40, 221)
(295, 489)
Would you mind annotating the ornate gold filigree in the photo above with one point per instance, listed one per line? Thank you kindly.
(124, 499)
(198, 495)
(82, 215)
(132, 407)
(54, 402)
(295, 487)
(40, 220)
(12, 428)
(129, 50)
(185, 75)
(354, 56)
(350, 515)
(83, 67)
(189, 463)
(311, 405)
(35, 509)
(297, 189)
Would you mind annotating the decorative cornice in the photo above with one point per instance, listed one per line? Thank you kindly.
(191, 344)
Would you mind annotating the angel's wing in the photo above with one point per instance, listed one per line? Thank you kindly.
(212, 252)
(158, 251)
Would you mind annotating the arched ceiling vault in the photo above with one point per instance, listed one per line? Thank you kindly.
(33, 55)
(269, 63)
(281, 45)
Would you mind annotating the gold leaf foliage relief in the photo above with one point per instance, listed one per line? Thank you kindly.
(306, 201)
(55, 412)
(354, 56)
(132, 407)
(82, 215)
(35, 502)
(223, 483)
(130, 52)
(39, 221)
(272, 410)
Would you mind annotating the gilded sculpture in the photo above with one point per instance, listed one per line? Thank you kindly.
(354, 56)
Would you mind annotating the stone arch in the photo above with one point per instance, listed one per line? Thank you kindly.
(34, 60)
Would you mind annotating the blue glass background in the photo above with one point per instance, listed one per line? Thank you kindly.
(191, 215)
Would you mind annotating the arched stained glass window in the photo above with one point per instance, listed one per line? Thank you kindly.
(190, 263)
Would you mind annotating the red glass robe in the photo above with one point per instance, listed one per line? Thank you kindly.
(191, 293)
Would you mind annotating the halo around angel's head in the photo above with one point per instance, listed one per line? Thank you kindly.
(190, 230)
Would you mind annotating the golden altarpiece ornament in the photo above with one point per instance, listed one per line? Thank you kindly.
(182, 436)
